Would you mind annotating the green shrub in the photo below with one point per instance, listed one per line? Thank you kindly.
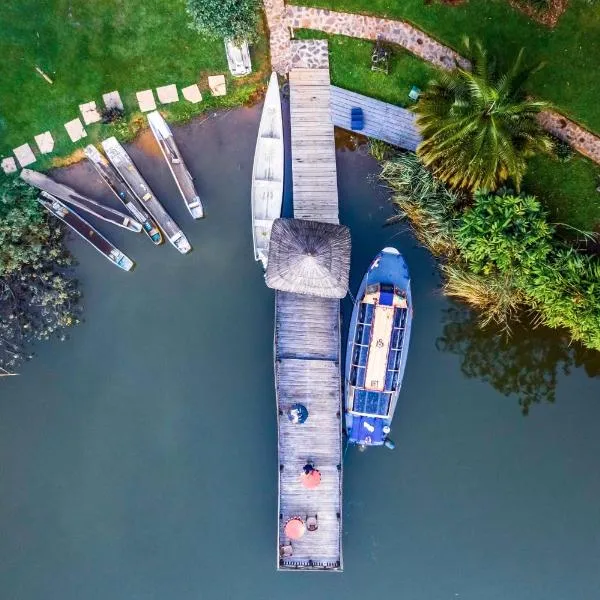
(38, 298)
(234, 19)
(500, 255)
(504, 233)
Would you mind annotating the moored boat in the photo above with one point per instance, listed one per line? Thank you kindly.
(137, 184)
(377, 349)
(183, 179)
(117, 186)
(267, 172)
(66, 194)
(82, 228)
(238, 58)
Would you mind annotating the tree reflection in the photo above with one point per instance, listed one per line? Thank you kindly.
(525, 364)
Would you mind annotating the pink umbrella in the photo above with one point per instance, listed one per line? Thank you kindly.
(311, 479)
(295, 528)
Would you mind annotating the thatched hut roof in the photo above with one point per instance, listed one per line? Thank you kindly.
(309, 257)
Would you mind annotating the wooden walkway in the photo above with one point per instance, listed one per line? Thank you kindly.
(382, 121)
(307, 347)
(313, 146)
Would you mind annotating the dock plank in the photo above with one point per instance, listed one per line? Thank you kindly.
(307, 346)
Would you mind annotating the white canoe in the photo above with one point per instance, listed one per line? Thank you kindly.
(267, 173)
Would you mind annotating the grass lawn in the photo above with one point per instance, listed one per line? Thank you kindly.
(571, 50)
(91, 47)
(567, 189)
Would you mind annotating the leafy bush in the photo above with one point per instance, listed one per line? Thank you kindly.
(38, 299)
(500, 255)
(112, 114)
(234, 19)
(504, 233)
(563, 151)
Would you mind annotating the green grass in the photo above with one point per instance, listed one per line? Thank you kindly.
(571, 50)
(568, 190)
(350, 65)
(91, 47)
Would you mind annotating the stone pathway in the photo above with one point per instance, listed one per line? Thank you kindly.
(167, 94)
(362, 26)
(281, 19)
(45, 142)
(279, 36)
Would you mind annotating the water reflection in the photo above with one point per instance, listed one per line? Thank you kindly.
(526, 365)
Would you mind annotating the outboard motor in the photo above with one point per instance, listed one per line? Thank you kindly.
(389, 443)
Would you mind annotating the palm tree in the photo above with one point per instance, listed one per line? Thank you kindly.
(478, 126)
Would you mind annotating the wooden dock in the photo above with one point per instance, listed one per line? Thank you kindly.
(382, 121)
(307, 348)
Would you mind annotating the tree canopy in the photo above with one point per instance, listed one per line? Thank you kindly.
(231, 19)
(479, 127)
(38, 298)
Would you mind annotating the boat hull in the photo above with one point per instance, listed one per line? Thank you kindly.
(267, 172)
(179, 171)
(86, 231)
(117, 186)
(371, 426)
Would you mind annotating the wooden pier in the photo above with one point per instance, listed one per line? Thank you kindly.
(307, 349)
(382, 121)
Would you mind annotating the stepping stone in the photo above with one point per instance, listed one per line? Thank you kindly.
(45, 142)
(9, 165)
(192, 93)
(24, 155)
(75, 130)
(113, 100)
(167, 94)
(146, 101)
(216, 83)
(89, 113)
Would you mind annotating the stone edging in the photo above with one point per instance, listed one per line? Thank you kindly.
(281, 19)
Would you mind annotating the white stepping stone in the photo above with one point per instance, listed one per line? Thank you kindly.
(24, 155)
(146, 101)
(75, 130)
(9, 165)
(45, 142)
(216, 83)
(192, 93)
(89, 113)
(113, 100)
(167, 94)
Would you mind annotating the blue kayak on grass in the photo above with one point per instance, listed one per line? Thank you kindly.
(377, 349)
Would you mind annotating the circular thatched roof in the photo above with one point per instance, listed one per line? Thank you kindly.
(309, 257)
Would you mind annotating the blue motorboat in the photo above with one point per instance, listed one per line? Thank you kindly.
(377, 349)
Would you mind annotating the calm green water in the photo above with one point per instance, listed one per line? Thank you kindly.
(138, 459)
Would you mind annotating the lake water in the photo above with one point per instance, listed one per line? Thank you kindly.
(138, 459)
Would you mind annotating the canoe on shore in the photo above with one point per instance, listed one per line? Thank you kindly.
(267, 172)
(117, 186)
(66, 194)
(82, 228)
(141, 190)
(183, 179)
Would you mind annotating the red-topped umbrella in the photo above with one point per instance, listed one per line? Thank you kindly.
(311, 479)
(295, 528)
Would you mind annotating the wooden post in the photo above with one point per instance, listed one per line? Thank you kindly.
(44, 75)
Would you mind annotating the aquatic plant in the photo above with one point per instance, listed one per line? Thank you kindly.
(500, 255)
(429, 205)
(38, 298)
(478, 126)
(235, 19)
